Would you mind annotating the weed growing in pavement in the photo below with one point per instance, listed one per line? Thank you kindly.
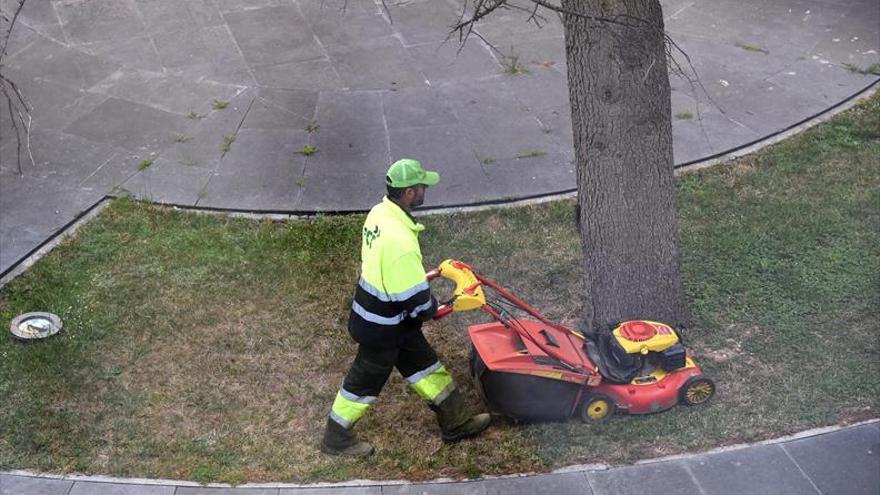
(182, 139)
(227, 143)
(195, 116)
(512, 65)
(145, 164)
(752, 48)
(531, 153)
(873, 69)
(219, 104)
(308, 150)
(312, 127)
(684, 115)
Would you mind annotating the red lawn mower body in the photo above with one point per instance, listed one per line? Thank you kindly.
(538, 370)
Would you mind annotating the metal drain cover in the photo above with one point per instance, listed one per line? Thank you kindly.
(33, 326)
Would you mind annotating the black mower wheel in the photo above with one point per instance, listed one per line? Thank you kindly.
(696, 390)
(596, 408)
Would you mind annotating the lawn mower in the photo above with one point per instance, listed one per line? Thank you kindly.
(538, 370)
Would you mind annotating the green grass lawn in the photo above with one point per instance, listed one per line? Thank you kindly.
(208, 348)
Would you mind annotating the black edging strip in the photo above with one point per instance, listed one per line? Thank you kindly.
(490, 202)
(774, 134)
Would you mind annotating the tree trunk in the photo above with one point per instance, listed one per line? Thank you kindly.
(620, 106)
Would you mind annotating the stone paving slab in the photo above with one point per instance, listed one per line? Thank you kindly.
(847, 462)
(660, 477)
(86, 21)
(442, 62)
(188, 490)
(129, 125)
(424, 21)
(40, 209)
(546, 484)
(93, 488)
(416, 107)
(542, 88)
(763, 469)
(382, 63)
(348, 30)
(272, 185)
(282, 109)
(459, 488)
(72, 162)
(22, 485)
(334, 9)
(343, 490)
(316, 75)
(48, 59)
(165, 91)
(169, 183)
(273, 35)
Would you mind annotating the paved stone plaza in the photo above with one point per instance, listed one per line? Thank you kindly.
(123, 96)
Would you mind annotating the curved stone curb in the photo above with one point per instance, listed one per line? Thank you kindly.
(807, 435)
(41, 250)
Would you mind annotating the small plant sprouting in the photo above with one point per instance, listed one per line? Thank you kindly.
(312, 127)
(531, 154)
(145, 164)
(219, 104)
(194, 116)
(684, 115)
(182, 139)
(871, 70)
(752, 48)
(486, 160)
(301, 182)
(308, 150)
(512, 66)
(227, 143)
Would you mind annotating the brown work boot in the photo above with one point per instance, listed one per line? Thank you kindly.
(455, 422)
(340, 441)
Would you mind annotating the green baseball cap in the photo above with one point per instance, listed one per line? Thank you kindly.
(408, 172)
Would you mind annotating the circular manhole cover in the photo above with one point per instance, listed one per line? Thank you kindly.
(32, 326)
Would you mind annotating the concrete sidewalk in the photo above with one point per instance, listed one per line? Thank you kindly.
(843, 461)
(209, 103)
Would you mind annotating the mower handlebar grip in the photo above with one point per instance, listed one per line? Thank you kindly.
(468, 294)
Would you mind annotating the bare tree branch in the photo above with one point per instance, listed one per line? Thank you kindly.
(7, 86)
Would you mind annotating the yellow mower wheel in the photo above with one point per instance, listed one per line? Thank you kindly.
(697, 390)
(597, 408)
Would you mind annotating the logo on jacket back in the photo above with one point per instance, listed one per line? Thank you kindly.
(371, 235)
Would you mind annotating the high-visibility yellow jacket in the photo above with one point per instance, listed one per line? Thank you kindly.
(392, 294)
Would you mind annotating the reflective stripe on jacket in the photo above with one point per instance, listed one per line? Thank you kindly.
(392, 294)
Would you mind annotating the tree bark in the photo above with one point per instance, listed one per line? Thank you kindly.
(627, 216)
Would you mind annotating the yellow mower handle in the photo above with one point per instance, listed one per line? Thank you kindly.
(468, 294)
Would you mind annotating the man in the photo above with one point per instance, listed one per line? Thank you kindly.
(391, 300)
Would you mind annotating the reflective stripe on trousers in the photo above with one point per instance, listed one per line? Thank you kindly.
(348, 408)
(433, 383)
